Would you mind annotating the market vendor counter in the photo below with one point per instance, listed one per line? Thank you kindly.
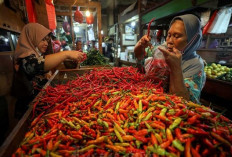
(16, 136)
(221, 89)
(85, 105)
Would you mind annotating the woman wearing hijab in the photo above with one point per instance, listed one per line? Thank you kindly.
(187, 77)
(32, 65)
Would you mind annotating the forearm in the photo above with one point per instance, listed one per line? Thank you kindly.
(139, 51)
(53, 60)
(177, 85)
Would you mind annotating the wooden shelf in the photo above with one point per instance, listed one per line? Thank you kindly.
(127, 63)
(221, 89)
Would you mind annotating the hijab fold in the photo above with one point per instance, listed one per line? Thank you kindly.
(30, 37)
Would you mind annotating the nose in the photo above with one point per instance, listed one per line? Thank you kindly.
(169, 39)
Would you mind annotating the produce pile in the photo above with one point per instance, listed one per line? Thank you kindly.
(217, 71)
(94, 58)
(118, 112)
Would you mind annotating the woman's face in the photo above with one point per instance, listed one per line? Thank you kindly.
(177, 36)
(43, 45)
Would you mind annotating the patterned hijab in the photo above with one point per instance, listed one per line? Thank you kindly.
(190, 59)
(29, 39)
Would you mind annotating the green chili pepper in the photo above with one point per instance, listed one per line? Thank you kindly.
(99, 121)
(176, 143)
(86, 148)
(64, 121)
(122, 144)
(171, 111)
(161, 151)
(151, 109)
(159, 138)
(98, 102)
(148, 126)
(152, 149)
(119, 128)
(148, 116)
(140, 109)
(105, 124)
(160, 106)
(125, 124)
(138, 143)
(176, 122)
(118, 135)
(117, 106)
(163, 112)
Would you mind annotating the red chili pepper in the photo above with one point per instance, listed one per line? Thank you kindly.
(208, 143)
(198, 131)
(142, 139)
(193, 119)
(203, 126)
(205, 152)
(172, 149)
(142, 132)
(165, 144)
(100, 151)
(195, 153)
(149, 25)
(88, 153)
(37, 119)
(134, 150)
(188, 148)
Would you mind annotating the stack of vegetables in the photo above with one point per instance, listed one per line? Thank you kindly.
(94, 58)
(117, 112)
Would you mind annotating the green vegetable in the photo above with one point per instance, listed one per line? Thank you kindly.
(94, 58)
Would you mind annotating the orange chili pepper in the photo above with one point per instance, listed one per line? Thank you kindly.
(136, 104)
(153, 139)
(50, 145)
(128, 138)
(155, 125)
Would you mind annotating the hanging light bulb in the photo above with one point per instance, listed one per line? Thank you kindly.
(87, 13)
(133, 23)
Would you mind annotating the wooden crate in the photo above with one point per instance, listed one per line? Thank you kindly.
(219, 88)
(16, 136)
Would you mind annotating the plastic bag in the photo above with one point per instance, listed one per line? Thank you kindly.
(221, 21)
(157, 69)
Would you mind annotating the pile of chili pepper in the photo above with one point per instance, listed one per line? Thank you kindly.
(122, 120)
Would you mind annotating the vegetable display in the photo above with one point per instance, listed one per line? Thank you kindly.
(94, 58)
(218, 71)
(117, 112)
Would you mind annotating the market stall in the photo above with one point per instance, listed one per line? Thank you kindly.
(116, 111)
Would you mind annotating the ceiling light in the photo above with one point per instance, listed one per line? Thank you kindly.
(133, 23)
(87, 13)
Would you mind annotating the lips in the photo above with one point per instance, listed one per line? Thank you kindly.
(170, 49)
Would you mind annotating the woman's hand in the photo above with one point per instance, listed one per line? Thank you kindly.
(173, 58)
(176, 84)
(139, 49)
(75, 55)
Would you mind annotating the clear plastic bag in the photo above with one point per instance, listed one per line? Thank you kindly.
(157, 69)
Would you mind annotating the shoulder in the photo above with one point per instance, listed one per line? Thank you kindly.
(192, 66)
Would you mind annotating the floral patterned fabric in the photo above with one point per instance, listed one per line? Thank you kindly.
(195, 85)
(33, 67)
